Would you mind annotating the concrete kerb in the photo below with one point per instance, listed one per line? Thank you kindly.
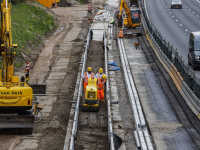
(111, 140)
(140, 122)
(189, 97)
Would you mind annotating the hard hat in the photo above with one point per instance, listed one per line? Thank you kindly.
(100, 70)
(121, 29)
(104, 76)
(89, 68)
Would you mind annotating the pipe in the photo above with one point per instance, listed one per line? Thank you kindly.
(137, 140)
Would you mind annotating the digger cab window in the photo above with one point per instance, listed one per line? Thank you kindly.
(135, 16)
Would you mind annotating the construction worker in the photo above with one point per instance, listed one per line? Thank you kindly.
(86, 76)
(101, 87)
(112, 22)
(100, 74)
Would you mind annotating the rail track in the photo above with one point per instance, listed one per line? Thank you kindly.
(91, 130)
(141, 134)
(93, 126)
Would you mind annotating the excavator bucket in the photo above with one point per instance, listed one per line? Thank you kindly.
(39, 88)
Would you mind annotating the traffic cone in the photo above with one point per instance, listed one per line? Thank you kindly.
(112, 64)
(27, 67)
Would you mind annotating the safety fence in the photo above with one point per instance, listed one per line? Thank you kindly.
(183, 76)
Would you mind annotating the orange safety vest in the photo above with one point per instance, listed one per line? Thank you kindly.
(100, 83)
(86, 77)
(99, 75)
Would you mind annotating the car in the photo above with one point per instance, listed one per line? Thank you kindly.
(176, 4)
(194, 50)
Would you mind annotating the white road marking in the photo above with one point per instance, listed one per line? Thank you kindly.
(183, 4)
(181, 25)
(193, 12)
(176, 20)
(164, 4)
(172, 16)
(170, 12)
(186, 30)
(189, 9)
(167, 9)
(197, 15)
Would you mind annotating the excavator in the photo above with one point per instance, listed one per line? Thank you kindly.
(132, 21)
(16, 97)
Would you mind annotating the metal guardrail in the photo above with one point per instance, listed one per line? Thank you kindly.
(110, 131)
(184, 77)
(141, 134)
(75, 122)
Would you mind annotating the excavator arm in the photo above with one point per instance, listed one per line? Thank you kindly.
(128, 20)
(6, 43)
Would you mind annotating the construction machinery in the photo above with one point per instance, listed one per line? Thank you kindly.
(15, 96)
(90, 101)
(132, 21)
(133, 2)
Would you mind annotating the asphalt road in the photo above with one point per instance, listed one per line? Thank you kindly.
(175, 25)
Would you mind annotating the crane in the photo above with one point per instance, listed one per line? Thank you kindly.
(132, 19)
(15, 97)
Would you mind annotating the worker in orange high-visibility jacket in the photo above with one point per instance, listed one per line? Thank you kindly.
(86, 76)
(101, 87)
(100, 74)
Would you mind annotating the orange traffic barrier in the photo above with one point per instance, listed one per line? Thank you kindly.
(121, 34)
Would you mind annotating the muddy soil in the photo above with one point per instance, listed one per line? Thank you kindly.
(50, 133)
(54, 129)
(93, 126)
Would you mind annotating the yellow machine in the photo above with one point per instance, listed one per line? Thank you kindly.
(90, 102)
(132, 19)
(15, 96)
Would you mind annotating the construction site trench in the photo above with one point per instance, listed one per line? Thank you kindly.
(93, 126)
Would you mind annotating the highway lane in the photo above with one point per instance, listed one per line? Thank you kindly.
(175, 25)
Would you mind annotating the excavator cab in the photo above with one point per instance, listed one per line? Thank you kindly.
(90, 101)
(135, 15)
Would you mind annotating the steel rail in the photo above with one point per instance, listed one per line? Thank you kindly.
(142, 136)
(75, 122)
(110, 131)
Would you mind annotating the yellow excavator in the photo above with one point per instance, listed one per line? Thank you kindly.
(15, 96)
(132, 21)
